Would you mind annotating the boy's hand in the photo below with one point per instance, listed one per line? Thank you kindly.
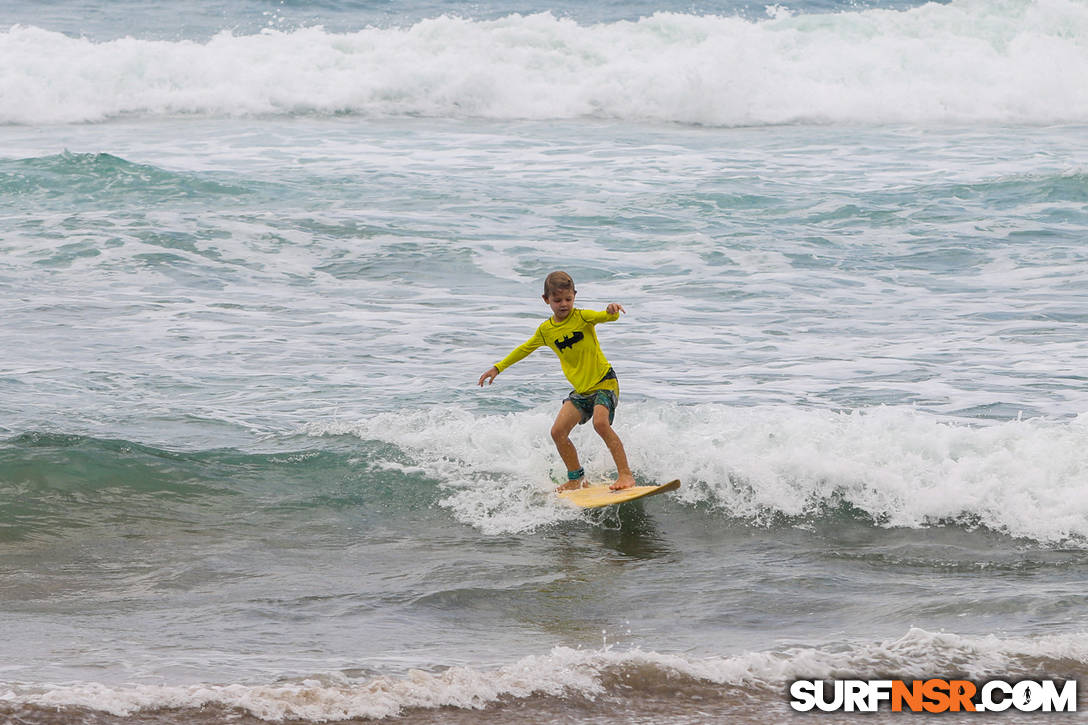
(615, 307)
(489, 376)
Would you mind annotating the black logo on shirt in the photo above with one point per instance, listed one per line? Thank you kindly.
(569, 340)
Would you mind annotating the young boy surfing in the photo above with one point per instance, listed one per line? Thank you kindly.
(569, 332)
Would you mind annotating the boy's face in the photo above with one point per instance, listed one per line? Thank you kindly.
(561, 302)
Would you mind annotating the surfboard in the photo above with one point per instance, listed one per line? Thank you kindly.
(594, 497)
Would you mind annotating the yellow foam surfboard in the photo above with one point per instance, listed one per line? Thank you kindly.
(594, 497)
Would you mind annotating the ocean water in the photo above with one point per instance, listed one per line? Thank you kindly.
(255, 255)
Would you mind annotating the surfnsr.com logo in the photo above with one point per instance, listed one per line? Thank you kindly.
(934, 695)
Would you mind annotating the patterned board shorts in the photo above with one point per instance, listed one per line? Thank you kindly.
(586, 403)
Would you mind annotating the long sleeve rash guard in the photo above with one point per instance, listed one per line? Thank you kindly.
(574, 341)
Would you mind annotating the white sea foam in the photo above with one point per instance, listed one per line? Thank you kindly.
(966, 61)
(1027, 478)
(565, 672)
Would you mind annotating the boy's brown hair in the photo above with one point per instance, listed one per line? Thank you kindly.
(558, 281)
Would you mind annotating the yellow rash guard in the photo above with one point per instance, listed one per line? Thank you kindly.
(574, 342)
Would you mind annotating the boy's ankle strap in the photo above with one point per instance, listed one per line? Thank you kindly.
(576, 474)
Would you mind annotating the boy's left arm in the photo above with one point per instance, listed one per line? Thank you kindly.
(612, 312)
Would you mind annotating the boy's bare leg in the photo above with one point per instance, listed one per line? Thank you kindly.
(624, 478)
(568, 417)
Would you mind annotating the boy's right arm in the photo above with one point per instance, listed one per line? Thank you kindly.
(518, 353)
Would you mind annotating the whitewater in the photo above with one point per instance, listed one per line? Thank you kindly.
(1019, 62)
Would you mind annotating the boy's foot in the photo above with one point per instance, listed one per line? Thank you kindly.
(572, 485)
(622, 482)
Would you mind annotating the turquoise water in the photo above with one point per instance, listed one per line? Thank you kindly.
(253, 260)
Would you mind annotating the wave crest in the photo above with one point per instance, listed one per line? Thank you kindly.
(967, 61)
(608, 674)
(765, 465)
